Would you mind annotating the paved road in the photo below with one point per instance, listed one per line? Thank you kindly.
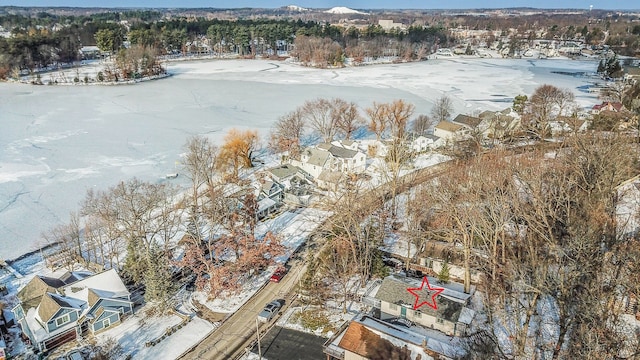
(286, 344)
(239, 330)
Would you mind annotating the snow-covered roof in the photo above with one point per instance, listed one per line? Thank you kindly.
(466, 316)
(106, 282)
(265, 203)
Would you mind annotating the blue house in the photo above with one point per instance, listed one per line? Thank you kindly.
(57, 309)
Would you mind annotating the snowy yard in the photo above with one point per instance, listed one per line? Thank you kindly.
(136, 331)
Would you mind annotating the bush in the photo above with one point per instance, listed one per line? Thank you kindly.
(313, 320)
(100, 76)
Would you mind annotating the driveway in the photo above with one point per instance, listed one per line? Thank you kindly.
(286, 344)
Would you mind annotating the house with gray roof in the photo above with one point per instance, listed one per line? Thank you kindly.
(451, 317)
(56, 309)
(330, 157)
(469, 122)
(286, 172)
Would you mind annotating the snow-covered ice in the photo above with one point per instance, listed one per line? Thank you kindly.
(57, 142)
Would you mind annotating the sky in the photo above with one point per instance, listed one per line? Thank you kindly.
(354, 4)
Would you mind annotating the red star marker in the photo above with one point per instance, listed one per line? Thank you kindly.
(417, 292)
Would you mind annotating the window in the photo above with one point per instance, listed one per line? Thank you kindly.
(106, 323)
(62, 320)
(439, 321)
(417, 314)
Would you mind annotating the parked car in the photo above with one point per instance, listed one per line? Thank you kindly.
(74, 355)
(393, 263)
(415, 274)
(278, 274)
(270, 310)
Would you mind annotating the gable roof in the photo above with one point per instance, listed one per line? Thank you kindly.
(49, 306)
(468, 121)
(615, 106)
(341, 152)
(317, 157)
(394, 291)
(31, 294)
(284, 171)
(106, 284)
(448, 126)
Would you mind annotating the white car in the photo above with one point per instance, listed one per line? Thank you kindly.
(270, 310)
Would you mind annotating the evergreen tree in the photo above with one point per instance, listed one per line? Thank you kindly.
(443, 275)
(157, 277)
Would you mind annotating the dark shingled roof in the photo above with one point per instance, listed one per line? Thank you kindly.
(394, 290)
(466, 120)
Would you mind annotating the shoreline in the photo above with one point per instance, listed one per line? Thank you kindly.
(95, 67)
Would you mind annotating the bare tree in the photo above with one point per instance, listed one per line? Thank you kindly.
(336, 266)
(377, 119)
(397, 116)
(287, 133)
(347, 117)
(422, 124)
(318, 114)
(442, 109)
(547, 103)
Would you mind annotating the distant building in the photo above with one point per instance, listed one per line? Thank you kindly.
(390, 24)
(607, 106)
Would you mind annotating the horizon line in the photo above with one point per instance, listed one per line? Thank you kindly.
(310, 8)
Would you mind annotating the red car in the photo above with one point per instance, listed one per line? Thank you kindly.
(278, 274)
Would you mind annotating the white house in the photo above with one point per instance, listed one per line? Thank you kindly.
(448, 130)
(420, 143)
(332, 158)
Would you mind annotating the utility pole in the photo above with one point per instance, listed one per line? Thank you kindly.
(258, 335)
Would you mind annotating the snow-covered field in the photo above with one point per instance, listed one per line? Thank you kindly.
(56, 142)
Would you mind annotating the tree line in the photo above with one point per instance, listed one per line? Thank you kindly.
(43, 41)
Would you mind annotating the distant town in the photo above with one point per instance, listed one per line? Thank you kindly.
(349, 231)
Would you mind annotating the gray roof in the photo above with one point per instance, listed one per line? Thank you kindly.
(317, 157)
(394, 290)
(469, 121)
(341, 152)
(284, 171)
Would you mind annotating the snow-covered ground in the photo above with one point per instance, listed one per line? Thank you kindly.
(57, 142)
(135, 331)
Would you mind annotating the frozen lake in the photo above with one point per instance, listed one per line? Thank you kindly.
(58, 141)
